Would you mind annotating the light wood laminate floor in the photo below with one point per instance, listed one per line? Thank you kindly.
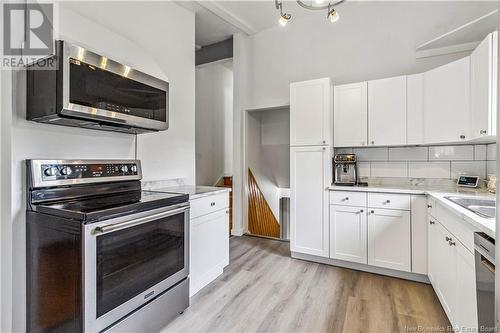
(264, 290)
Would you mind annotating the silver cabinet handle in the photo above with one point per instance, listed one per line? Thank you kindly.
(345, 199)
(212, 204)
(386, 202)
(429, 206)
(432, 222)
(448, 239)
(372, 211)
(373, 142)
(450, 243)
(482, 132)
(324, 148)
(134, 222)
(462, 136)
(360, 211)
(324, 141)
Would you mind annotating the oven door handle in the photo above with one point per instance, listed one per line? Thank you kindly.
(127, 224)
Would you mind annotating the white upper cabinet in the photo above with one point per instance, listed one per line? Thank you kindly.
(387, 111)
(483, 84)
(350, 115)
(415, 109)
(447, 102)
(311, 113)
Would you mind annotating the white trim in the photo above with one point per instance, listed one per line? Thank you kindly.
(458, 29)
(217, 62)
(228, 16)
(363, 267)
(446, 50)
(237, 232)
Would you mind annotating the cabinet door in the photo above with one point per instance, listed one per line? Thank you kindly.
(415, 109)
(389, 239)
(350, 115)
(348, 233)
(309, 200)
(387, 111)
(311, 112)
(419, 234)
(432, 254)
(445, 279)
(466, 305)
(447, 102)
(209, 247)
(483, 97)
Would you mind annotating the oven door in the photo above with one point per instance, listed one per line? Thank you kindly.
(130, 260)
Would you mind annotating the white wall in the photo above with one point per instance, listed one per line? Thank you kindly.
(372, 39)
(214, 122)
(275, 145)
(145, 42)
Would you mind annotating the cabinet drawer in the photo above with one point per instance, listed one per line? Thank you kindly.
(389, 201)
(347, 198)
(457, 227)
(209, 204)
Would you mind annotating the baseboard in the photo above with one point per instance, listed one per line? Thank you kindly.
(198, 284)
(237, 231)
(363, 267)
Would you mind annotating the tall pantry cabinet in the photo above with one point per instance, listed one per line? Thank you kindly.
(311, 149)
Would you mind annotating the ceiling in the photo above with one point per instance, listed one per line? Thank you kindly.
(219, 20)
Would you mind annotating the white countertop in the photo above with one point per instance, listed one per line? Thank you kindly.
(485, 225)
(439, 189)
(193, 191)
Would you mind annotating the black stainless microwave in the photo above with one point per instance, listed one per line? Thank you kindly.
(85, 89)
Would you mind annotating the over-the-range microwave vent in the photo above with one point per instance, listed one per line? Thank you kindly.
(89, 90)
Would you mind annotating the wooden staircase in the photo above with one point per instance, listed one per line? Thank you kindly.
(227, 181)
(261, 220)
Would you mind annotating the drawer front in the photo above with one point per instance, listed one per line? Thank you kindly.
(206, 205)
(389, 201)
(347, 198)
(458, 228)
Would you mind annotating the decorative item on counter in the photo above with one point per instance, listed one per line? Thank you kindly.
(492, 183)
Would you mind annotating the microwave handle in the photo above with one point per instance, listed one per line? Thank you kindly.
(127, 224)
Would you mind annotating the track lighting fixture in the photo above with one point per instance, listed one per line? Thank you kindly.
(332, 14)
(284, 17)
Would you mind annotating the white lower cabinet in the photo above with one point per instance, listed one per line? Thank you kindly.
(452, 274)
(348, 233)
(208, 244)
(376, 229)
(389, 244)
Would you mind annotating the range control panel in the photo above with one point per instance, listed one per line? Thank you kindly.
(82, 171)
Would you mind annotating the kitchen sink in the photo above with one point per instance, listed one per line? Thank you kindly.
(482, 207)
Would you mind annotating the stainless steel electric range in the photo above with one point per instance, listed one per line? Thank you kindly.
(102, 255)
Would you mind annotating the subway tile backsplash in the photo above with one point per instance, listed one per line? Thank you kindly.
(425, 161)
